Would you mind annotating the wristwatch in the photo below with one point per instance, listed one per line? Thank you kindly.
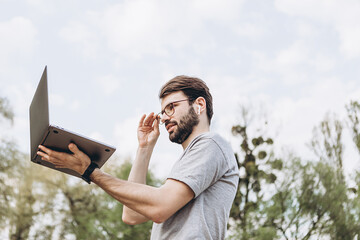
(88, 172)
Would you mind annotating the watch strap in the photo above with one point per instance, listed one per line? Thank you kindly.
(88, 172)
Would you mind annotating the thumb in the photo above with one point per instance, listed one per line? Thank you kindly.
(75, 150)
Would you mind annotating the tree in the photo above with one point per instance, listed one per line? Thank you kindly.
(258, 168)
(314, 202)
(9, 166)
(28, 202)
(328, 147)
(327, 142)
(41, 203)
(20, 198)
(311, 204)
(304, 199)
(87, 212)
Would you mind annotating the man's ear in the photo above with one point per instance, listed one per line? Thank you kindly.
(201, 104)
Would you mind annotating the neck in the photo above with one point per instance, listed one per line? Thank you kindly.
(199, 129)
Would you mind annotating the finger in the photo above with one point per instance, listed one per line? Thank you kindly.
(75, 150)
(156, 124)
(155, 117)
(149, 119)
(152, 120)
(141, 123)
(158, 118)
(50, 152)
(43, 155)
(53, 160)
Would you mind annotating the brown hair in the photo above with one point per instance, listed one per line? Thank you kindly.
(192, 87)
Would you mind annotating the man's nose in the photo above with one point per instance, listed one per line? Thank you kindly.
(165, 118)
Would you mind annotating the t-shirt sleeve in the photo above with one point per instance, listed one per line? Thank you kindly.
(201, 166)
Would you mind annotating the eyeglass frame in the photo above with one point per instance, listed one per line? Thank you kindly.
(160, 114)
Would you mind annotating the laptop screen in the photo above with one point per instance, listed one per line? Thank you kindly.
(39, 114)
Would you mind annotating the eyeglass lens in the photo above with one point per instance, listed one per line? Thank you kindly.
(169, 110)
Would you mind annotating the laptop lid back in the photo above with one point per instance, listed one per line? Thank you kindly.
(39, 114)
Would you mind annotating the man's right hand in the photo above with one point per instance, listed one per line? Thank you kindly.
(148, 130)
(148, 133)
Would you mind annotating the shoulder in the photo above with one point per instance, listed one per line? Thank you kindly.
(210, 138)
(212, 142)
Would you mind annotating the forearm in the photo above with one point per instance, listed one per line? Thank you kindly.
(140, 165)
(138, 175)
(140, 198)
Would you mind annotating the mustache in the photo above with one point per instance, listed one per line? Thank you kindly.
(167, 122)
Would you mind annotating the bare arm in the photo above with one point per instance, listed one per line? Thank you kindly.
(137, 175)
(156, 204)
(148, 133)
(141, 202)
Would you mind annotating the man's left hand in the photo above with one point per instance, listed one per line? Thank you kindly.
(78, 161)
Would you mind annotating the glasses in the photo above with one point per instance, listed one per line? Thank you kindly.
(169, 110)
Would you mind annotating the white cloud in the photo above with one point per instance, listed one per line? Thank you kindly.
(295, 64)
(250, 30)
(82, 34)
(20, 98)
(291, 118)
(215, 10)
(300, 116)
(136, 28)
(56, 99)
(342, 15)
(109, 84)
(75, 105)
(322, 63)
(36, 2)
(126, 136)
(294, 55)
(305, 29)
(287, 63)
(17, 39)
(41, 7)
(350, 38)
(141, 27)
(75, 32)
(97, 136)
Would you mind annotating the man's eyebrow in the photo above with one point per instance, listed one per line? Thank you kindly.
(163, 109)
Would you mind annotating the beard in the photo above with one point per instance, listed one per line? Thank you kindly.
(184, 127)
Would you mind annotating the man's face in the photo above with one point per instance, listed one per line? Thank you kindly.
(181, 124)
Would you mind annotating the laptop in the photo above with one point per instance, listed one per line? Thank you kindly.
(58, 138)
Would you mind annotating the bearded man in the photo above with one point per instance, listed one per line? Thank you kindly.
(195, 200)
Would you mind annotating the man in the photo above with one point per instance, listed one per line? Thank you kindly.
(195, 201)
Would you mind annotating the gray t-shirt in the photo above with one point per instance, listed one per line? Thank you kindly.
(209, 168)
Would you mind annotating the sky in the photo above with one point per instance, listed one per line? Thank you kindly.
(289, 61)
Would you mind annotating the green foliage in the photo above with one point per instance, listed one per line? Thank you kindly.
(22, 213)
(277, 198)
(41, 203)
(256, 163)
(291, 198)
(90, 213)
(327, 141)
(311, 203)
